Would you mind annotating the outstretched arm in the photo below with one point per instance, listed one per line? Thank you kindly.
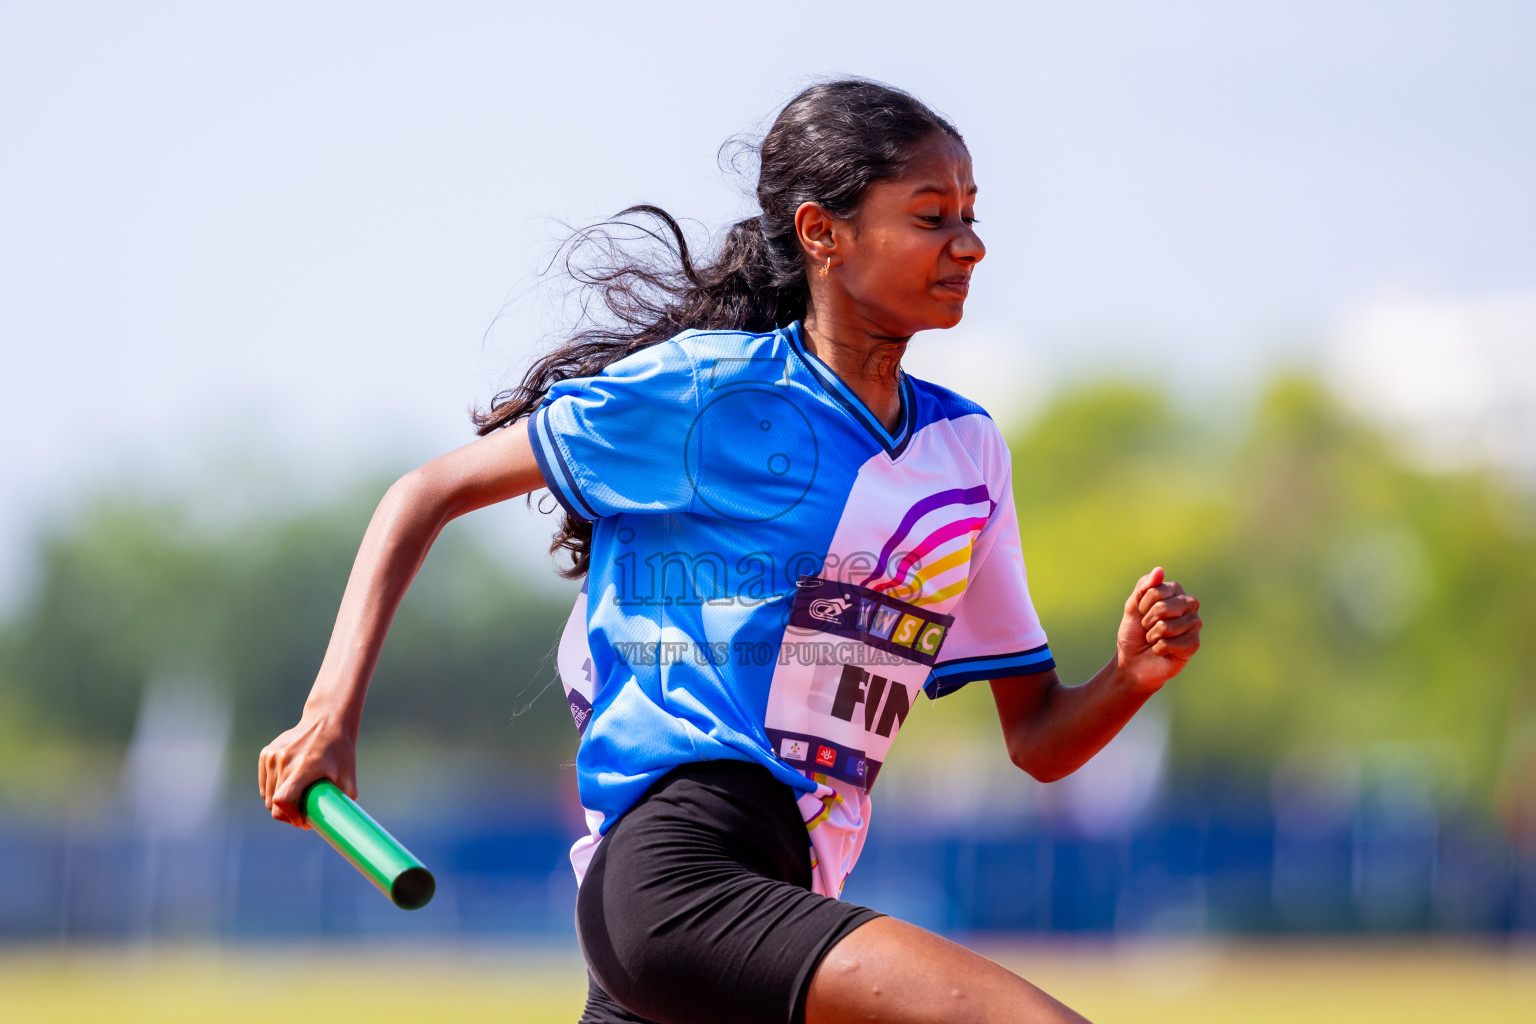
(412, 513)
(1052, 730)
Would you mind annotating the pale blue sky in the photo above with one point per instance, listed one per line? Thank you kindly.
(286, 228)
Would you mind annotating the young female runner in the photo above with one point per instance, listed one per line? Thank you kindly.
(784, 538)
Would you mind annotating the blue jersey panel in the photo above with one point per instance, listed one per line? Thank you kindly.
(775, 573)
(716, 467)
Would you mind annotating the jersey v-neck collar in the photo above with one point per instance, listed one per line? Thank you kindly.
(832, 384)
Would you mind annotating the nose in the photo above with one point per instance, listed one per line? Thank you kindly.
(967, 246)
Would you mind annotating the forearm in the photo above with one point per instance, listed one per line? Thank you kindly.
(1070, 724)
(1052, 730)
(402, 530)
(409, 518)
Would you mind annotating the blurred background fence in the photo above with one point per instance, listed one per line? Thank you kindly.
(1200, 866)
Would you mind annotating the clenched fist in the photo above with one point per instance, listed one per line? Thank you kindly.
(1159, 633)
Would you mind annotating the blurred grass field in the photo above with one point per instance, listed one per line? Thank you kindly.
(1319, 982)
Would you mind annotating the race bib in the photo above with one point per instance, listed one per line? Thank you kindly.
(851, 665)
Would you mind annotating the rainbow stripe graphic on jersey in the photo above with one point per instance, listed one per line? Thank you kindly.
(927, 560)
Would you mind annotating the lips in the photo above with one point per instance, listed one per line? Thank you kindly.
(958, 285)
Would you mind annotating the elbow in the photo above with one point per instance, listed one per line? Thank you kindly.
(414, 502)
(404, 496)
(412, 487)
(1037, 767)
(434, 492)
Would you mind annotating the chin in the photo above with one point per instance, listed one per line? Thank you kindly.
(934, 316)
(949, 317)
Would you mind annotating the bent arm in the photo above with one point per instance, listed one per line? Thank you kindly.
(1052, 730)
(412, 513)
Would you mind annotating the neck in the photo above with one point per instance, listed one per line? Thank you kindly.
(864, 358)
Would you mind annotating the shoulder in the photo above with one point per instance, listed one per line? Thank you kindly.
(729, 357)
(972, 426)
(939, 406)
(713, 357)
(944, 403)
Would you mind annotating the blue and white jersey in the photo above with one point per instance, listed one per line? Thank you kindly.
(774, 575)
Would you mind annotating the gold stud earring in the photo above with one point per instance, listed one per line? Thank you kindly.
(823, 270)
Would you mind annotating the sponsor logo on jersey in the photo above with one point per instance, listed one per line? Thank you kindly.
(828, 609)
(880, 620)
(793, 750)
(929, 638)
(906, 630)
(826, 757)
(884, 621)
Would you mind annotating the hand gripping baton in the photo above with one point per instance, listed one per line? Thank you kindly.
(373, 851)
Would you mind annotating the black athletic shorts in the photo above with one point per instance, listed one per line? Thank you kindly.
(697, 906)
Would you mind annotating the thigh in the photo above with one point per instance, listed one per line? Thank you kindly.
(897, 973)
(685, 914)
(602, 1008)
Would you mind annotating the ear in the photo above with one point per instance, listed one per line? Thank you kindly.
(818, 232)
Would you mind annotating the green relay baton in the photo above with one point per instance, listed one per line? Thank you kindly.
(373, 851)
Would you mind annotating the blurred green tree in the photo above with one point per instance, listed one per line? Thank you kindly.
(134, 588)
(1351, 599)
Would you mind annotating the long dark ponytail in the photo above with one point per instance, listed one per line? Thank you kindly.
(827, 146)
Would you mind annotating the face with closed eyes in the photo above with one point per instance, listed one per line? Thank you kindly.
(902, 263)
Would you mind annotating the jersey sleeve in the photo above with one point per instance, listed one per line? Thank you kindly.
(616, 442)
(996, 632)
